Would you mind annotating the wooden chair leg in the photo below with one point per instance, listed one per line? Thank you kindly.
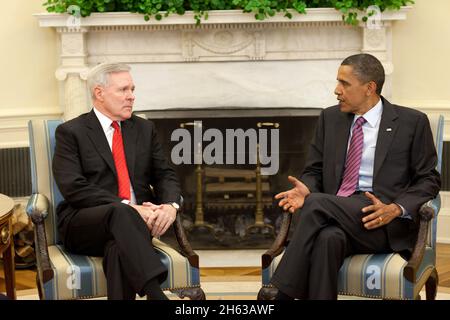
(38, 284)
(191, 293)
(266, 293)
(431, 285)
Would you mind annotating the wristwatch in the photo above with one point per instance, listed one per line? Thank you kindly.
(175, 205)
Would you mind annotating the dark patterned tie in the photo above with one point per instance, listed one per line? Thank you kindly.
(353, 161)
(123, 179)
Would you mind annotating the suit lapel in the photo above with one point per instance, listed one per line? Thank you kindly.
(129, 134)
(342, 135)
(98, 138)
(386, 133)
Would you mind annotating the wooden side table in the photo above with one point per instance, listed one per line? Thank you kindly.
(7, 244)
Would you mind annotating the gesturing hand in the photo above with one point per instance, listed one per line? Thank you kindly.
(293, 199)
(382, 213)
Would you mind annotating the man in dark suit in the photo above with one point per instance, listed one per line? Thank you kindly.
(106, 164)
(371, 165)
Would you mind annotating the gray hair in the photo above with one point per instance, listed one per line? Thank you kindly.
(99, 75)
(367, 68)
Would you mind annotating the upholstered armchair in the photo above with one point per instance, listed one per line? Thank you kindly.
(62, 275)
(381, 276)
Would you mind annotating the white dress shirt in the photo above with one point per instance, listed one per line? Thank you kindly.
(109, 131)
(370, 131)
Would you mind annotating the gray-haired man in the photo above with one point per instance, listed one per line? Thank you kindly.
(104, 162)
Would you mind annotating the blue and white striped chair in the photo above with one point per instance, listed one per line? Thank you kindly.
(63, 275)
(381, 276)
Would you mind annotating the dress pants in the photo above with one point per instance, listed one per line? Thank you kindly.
(329, 228)
(116, 232)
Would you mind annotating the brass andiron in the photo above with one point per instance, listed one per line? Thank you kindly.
(259, 213)
(199, 222)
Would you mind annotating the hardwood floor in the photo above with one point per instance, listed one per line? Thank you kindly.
(443, 264)
(25, 279)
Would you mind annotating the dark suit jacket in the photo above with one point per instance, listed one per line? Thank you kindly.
(404, 167)
(84, 168)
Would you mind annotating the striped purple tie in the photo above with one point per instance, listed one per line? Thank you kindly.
(353, 161)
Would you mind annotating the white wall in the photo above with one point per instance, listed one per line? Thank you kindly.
(28, 87)
(421, 51)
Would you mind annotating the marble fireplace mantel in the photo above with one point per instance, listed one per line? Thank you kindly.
(229, 60)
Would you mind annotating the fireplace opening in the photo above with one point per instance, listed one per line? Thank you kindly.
(231, 205)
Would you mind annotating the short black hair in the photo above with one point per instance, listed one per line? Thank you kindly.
(367, 68)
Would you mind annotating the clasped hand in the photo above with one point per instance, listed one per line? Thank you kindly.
(157, 217)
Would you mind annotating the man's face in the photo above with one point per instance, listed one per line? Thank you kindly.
(351, 92)
(117, 97)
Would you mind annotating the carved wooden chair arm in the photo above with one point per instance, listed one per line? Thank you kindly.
(426, 213)
(185, 246)
(37, 210)
(280, 241)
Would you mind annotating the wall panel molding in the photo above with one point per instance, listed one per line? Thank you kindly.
(14, 124)
(429, 107)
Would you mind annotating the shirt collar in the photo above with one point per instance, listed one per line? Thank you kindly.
(372, 116)
(104, 120)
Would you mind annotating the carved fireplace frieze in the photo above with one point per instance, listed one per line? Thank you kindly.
(231, 59)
